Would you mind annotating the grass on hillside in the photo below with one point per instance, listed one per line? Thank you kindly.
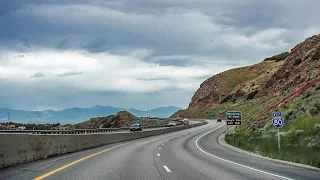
(268, 146)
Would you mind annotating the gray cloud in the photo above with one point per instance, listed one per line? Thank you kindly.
(38, 75)
(69, 73)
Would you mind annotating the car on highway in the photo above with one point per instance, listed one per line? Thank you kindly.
(185, 121)
(171, 124)
(219, 120)
(135, 127)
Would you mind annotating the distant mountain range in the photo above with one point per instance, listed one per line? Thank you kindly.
(76, 115)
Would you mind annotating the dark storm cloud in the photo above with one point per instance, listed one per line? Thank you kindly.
(99, 26)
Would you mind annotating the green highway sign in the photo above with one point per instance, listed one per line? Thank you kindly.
(212, 115)
(233, 117)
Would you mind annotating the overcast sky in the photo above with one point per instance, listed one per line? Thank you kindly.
(136, 53)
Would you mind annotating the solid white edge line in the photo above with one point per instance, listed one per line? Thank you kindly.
(234, 163)
(158, 154)
(167, 169)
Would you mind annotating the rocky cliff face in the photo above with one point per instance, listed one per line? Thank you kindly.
(301, 66)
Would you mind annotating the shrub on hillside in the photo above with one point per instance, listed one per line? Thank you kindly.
(297, 61)
(316, 56)
(278, 57)
(299, 132)
(252, 94)
(317, 127)
(317, 105)
(315, 109)
(291, 115)
(307, 94)
(226, 99)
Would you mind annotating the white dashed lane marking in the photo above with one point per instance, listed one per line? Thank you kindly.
(167, 169)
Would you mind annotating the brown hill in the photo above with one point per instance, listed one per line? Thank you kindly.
(121, 119)
(269, 78)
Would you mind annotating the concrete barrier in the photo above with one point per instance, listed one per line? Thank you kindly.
(22, 148)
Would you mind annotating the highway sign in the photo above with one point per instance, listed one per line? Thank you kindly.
(277, 120)
(212, 115)
(278, 123)
(233, 117)
(276, 114)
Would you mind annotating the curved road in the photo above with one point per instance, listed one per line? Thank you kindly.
(188, 154)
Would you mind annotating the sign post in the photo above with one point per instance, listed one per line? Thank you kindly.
(278, 139)
(234, 118)
(277, 122)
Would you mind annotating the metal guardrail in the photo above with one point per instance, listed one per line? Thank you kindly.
(74, 131)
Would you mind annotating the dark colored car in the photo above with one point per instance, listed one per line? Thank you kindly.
(135, 127)
(219, 120)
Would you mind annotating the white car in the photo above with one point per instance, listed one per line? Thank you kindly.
(171, 124)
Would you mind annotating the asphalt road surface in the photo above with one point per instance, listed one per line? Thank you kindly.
(189, 154)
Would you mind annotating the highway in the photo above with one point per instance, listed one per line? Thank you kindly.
(82, 131)
(188, 154)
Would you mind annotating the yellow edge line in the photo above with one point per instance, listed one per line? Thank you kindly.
(74, 162)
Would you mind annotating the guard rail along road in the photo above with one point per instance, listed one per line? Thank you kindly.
(16, 148)
(74, 131)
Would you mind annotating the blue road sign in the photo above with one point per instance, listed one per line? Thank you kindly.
(276, 114)
(278, 122)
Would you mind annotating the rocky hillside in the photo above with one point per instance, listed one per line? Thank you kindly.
(121, 119)
(269, 78)
(230, 85)
(289, 82)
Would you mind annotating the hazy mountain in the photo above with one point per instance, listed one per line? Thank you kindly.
(75, 115)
